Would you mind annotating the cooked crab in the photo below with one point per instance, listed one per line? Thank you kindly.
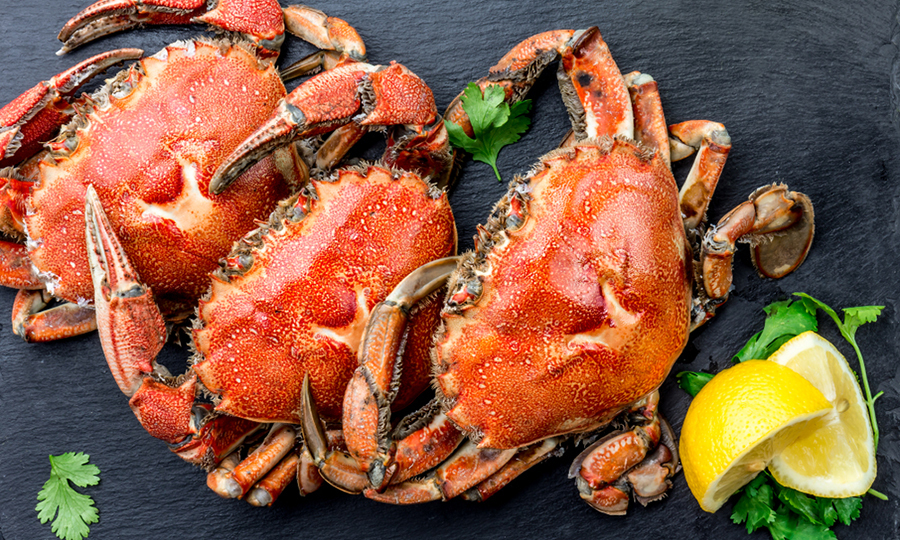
(292, 299)
(148, 142)
(576, 302)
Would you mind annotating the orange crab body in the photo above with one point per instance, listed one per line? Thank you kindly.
(149, 144)
(298, 294)
(585, 306)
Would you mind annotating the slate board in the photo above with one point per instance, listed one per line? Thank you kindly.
(808, 91)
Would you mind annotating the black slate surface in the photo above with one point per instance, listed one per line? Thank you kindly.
(808, 91)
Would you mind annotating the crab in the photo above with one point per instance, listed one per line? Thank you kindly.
(290, 302)
(149, 141)
(291, 297)
(579, 296)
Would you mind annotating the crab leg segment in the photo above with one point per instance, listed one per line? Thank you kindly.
(131, 328)
(336, 39)
(13, 191)
(522, 461)
(259, 20)
(16, 270)
(381, 95)
(649, 120)
(607, 470)
(712, 143)
(367, 401)
(254, 467)
(778, 222)
(467, 467)
(62, 321)
(593, 89)
(33, 117)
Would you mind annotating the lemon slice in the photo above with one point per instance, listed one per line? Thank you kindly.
(739, 421)
(837, 460)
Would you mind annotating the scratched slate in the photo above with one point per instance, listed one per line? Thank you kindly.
(808, 91)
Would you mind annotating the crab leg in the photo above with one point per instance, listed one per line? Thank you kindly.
(16, 270)
(367, 401)
(62, 321)
(522, 461)
(609, 469)
(778, 222)
(132, 332)
(712, 143)
(336, 40)
(260, 21)
(393, 94)
(467, 467)
(649, 120)
(591, 85)
(33, 117)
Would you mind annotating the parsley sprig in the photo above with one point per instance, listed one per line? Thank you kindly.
(494, 123)
(74, 511)
(787, 513)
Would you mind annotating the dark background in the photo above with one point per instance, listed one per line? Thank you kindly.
(807, 91)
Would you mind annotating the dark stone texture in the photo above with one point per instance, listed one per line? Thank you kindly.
(808, 91)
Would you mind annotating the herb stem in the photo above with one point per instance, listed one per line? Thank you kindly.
(877, 494)
(870, 401)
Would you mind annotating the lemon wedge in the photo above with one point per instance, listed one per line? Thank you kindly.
(739, 421)
(838, 459)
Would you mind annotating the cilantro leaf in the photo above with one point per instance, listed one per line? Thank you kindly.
(692, 381)
(804, 530)
(494, 123)
(782, 527)
(74, 511)
(784, 320)
(826, 510)
(848, 509)
(755, 505)
(801, 504)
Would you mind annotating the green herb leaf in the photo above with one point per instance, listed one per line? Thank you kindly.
(801, 504)
(804, 530)
(782, 527)
(857, 316)
(74, 511)
(784, 320)
(755, 505)
(692, 381)
(494, 123)
(826, 510)
(848, 509)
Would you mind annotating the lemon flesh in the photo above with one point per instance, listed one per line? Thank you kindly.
(739, 421)
(837, 460)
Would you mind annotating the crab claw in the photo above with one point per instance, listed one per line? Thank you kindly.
(261, 21)
(640, 460)
(33, 117)
(393, 95)
(780, 225)
(131, 328)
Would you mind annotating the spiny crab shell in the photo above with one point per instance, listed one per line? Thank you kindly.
(295, 295)
(149, 141)
(537, 348)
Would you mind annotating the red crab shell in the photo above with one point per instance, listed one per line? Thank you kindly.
(550, 352)
(315, 274)
(149, 145)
